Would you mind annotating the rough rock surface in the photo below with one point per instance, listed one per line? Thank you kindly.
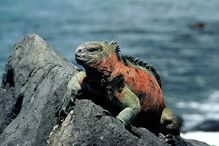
(93, 125)
(33, 85)
(32, 88)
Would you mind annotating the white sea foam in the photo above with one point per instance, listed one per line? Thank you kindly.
(207, 137)
(207, 109)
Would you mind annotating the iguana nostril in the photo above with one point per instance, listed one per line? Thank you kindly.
(79, 51)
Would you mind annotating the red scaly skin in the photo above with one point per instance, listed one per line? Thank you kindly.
(142, 83)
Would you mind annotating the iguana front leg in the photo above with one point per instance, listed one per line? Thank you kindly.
(120, 94)
(131, 105)
(74, 85)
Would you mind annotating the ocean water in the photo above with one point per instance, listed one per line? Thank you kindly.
(156, 31)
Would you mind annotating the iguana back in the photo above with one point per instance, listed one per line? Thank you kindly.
(140, 64)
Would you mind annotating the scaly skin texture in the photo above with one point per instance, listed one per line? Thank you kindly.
(127, 83)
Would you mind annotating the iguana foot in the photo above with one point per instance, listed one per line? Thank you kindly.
(73, 87)
(64, 109)
(125, 124)
(169, 139)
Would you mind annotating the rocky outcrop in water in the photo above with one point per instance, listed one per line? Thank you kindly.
(33, 85)
(208, 125)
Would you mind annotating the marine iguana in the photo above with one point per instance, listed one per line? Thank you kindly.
(126, 82)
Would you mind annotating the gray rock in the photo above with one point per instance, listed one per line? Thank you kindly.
(93, 126)
(32, 88)
(34, 83)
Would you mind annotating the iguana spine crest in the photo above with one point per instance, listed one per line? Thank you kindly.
(139, 62)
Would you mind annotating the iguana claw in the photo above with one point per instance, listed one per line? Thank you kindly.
(73, 87)
(65, 109)
(169, 139)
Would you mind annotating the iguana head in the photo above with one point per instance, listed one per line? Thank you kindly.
(98, 55)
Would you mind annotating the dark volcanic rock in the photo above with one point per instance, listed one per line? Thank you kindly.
(208, 125)
(93, 126)
(32, 88)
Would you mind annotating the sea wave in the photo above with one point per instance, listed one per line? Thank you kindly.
(207, 109)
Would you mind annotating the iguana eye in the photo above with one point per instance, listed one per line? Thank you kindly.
(94, 49)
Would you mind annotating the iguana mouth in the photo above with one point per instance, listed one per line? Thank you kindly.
(83, 58)
(77, 56)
